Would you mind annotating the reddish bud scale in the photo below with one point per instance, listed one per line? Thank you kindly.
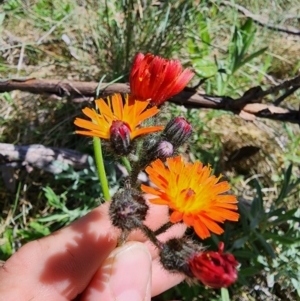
(214, 269)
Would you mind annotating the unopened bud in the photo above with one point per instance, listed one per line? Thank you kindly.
(163, 150)
(120, 137)
(175, 255)
(160, 150)
(177, 131)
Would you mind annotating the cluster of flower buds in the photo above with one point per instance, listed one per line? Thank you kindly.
(131, 127)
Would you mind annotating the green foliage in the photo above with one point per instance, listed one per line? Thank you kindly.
(267, 235)
(151, 28)
(220, 71)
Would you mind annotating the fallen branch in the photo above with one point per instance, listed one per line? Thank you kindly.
(51, 159)
(261, 20)
(83, 91)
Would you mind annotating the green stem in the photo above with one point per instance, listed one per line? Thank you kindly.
(100, 167)
(126, 164)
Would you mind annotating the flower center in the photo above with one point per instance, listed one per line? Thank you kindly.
(188, 196)
(189, 192)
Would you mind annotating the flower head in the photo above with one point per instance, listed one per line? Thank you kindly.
(193, 195)
(177, 131)
(128, 116)
(120, 137)
(156, 79)
(214, 269)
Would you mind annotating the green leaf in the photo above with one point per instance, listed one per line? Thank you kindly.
(250, 271)
(40, 228)
(247, 26)
(268, 248)
(247, 34)
(205, 68)
(53, 217)
(276, 212)
(6, 249)
(240, 242)
(252, 56)
(294, 158)
(245, 217)
(281, 239)
(243, 254)
(286, 182)
(284, 217)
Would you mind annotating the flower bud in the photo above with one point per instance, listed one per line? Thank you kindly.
(120, 137)
(128, 209)
(177, 131)
(164, 150)
(175, 254)
(214, 269)
(160, 150)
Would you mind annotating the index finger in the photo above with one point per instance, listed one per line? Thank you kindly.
(60, 266)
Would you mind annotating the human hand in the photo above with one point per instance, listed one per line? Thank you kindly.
(81, 262)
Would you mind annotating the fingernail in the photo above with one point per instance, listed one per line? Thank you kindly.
(131, 273)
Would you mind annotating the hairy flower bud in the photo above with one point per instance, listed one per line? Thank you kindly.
(128, 209)
(120, 137)
(214, 269)
(164, 150)
(160, 150)
(177, 131)
(175, 254)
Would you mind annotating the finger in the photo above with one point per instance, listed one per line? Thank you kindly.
(61, 265)
(177, 230)
(157, 215)
(124, 275)
(163, 280)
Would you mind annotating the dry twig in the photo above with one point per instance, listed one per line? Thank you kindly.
(248, 106)
(261, 20)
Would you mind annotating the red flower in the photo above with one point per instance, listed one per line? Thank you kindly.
(156, 79)
(214, 269)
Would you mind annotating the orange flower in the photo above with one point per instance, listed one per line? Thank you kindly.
(156, 79)
(130, 114)
(193, 195)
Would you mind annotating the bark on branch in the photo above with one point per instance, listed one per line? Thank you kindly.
(262, 20)
(248, 106)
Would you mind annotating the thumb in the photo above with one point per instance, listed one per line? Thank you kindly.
(124, 275)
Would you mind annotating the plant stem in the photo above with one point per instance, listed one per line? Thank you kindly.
(150, 234)
(126, 164)
(163, 228)
(100, 167)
